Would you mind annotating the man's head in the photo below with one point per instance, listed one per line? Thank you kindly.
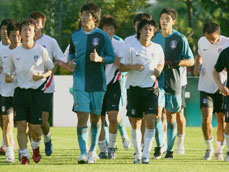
(3, 28)
(140, 17)
(39, 18)
(147, 29)
(168, 18)
(13, 30)
(90, 14)
(108, 24)
(28, 30)
(212, 32)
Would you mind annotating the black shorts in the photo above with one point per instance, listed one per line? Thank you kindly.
(183, 105)
(112, 98)
(214, 101)
(7, 106)
(227, 109)
(47, 102)
(142, 101)
(28, 106)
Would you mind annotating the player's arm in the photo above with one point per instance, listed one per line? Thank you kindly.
(129, 67)
(186, 62)
(223, 89)
(10, 68)
(38, 75)
(197, 65)
(157, 71)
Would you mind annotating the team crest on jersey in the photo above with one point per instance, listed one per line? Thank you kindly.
(133, 111)
(95, 42)
(173, 44)
(3, 108)
(44, 46)
(36, 57)
(219, 50)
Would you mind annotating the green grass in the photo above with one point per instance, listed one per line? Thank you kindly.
(66, 151)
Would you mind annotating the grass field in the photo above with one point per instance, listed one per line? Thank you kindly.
(66, 151)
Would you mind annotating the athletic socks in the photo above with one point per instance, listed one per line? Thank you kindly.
(112, 140)
(220, 146)
(95, 132)
(106, 127)
(34, 144)
(159, 132)
(122, 129)
(209, 143)
(82, 133)
(24, 152)
(47, 137)
(171, 133)
(227, 141)
(137, 139)
(148, 138)
(102, 146)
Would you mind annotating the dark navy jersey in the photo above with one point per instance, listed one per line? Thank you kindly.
(223, 62)
(175, 48)
(90, 76)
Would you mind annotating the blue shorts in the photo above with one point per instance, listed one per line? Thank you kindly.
(90, 102)
(161, 98)
(173, 102)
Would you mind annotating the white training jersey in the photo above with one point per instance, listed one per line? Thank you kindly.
(1, 73)
(184, 76)
(55, 53)
(66, 53)
(130, 40)
(26, 62)
(210, 53)
(7, 88)
(112, 71)
(150, 57)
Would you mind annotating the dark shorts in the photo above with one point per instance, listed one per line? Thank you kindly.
(183, 104)
(0, 104)
(28, 105)
(112, 98)
(214, 101)
(227, 109)
(142, 101)
(47, 102)
(7, 106)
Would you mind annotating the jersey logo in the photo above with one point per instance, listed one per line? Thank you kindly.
(173, 44)
(44, 46)
(18, 58)
(95, 42)
(219, 50)
(5, 57)
(36, 57)
(204, 49)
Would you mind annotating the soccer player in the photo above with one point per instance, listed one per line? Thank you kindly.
(211, 100)
(144, 62)
(113, 94)
(8, 90)
(131, 40)
(222, 64)
(92, 49)
(32, 66)
(3, 44)
(55, 53)
(177, 55)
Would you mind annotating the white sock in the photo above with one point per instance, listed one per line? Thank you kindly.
(112, 140)
(47, 137)
(137, 138)
(35, 144)
(102, 146)
(148, 139)
(227, 141)
(209, 143)
(180, 139)
(24, 152)
(165, 138)
(3, 143)
(220, 146)
(10, 152)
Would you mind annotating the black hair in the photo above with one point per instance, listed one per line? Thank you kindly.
(107, 20)
(5, 22)
(147, 22)
(211, 27)
(170, 11)
(14, 26)
(142, 16)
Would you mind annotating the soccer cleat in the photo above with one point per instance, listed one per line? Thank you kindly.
(24, 160)
(137, 161)
(103, 155)
(145, 160)
(2, 150)
(82, 159)
(92, 157)
(157, 153)
(36, 155)
(10, 159)
(126, 143)
(219, 156)
(48, 148)
(169, 155)
(208, 154)
(111, 153)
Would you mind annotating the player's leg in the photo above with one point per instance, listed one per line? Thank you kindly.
(102, 139)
